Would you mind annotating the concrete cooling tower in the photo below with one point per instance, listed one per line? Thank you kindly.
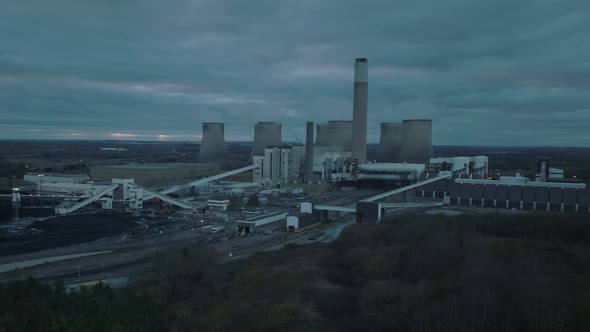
(321, 138)
(416, 141)
(340, 134)
(335, 133)
(390, 142)
(359, 109)
(265, 134)
(213, 143)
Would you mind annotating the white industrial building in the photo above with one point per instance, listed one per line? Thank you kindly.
(54, 178)
(285, 164)
(249, 224)
(69, 188)
(218, 205)
(411, 172)
(477, 166)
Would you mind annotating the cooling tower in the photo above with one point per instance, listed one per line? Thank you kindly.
(321, 138)
(340, 134)
(359, 109)
(212, 143)
(390, 142)
(416, 141)
(308, 174)
(265, 134)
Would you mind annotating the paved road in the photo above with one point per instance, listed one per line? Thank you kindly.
(33, 262)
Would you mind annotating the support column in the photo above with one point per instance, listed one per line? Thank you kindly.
(507, 204)
(548, 207)
(521, 205)
(470, 201)
(577, 207)
(482, 202)
(534, 206)
(562, 207)
(494, 202)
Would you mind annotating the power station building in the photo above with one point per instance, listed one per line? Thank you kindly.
(510, 192)
(286, 164)
(212, 143)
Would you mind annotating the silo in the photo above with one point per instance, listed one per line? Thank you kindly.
(390, 142)
(321, 138)
(340, 134)
(212, 143)
(416, 141)
(359, 109)
(265, 134)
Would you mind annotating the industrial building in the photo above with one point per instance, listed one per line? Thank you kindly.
(157, 174)
(300, 220)
(248, 225)
(218, 204)
(55, 178)
(284, 164)
(516, 192)
(212, 148)
(404, 173)
(265, 134)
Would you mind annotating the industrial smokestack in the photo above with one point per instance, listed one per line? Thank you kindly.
(265, 134)
(359, 109)
(416, 141)
(340, 134)
(390, 142)
(308, 175)
(322, 135)
(212, 143)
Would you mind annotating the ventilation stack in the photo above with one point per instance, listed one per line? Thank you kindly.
(390, 142)
(359, 109)
(212, 143)
(265, 134)
(308, 175)
(340, 134)
(416, 141)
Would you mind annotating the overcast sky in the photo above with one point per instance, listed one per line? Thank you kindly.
(493, 72)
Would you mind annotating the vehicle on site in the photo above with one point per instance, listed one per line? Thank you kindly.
(217, 229)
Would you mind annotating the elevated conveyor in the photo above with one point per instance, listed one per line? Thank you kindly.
(202, 181)
(165, 198)
(83, 203)
(406, 188)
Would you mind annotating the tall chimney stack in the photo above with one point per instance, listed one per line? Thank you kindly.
(359, 109)
(308, 175)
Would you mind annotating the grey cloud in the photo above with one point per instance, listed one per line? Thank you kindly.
(154, 66)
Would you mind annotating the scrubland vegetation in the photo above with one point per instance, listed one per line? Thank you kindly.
(415, 273)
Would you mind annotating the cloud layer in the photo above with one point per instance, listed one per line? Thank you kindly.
(487, 72)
